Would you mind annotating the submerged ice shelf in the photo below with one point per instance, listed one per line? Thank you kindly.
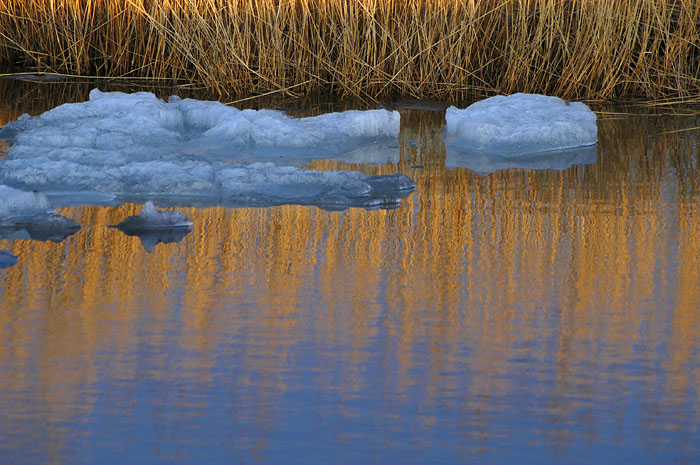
(520, 131)
(137, 147)
(205, 183)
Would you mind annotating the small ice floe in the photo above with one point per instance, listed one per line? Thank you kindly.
(150, 219)
(521, 131)
(155, 226)
(27, 215)
(7, 259)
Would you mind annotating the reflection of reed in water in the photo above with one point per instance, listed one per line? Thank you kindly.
(3, 149)
(17, 98)
(566, 265)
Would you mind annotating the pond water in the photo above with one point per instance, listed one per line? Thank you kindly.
(524, 316)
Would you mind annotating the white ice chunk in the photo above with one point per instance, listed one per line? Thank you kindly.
(135, 125)
(519, 125)
(152, 218)
(7, 259)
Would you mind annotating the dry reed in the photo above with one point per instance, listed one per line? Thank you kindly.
(447, 49)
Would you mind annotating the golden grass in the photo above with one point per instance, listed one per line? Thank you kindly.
(447, 49)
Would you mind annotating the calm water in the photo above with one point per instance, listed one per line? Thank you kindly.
(519, 317)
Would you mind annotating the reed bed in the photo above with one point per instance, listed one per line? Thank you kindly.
(445, 49)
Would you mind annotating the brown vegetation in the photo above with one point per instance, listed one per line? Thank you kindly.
(450, 49)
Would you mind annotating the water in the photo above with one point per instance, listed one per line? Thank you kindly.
(520, 317)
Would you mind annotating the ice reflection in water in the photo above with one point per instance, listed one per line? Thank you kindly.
(522, 317)
(7, 259)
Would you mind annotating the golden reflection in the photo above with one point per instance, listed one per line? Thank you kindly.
(481, 259)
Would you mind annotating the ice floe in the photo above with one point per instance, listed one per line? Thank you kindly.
(153, 226)
(152, 218)
(129, 126)
(27, 215)
(7, 259)
(520, 131)
(138, 147)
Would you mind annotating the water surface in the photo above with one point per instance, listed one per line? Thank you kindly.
(525, 316)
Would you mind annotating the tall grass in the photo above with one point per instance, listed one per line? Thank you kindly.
(448, 49)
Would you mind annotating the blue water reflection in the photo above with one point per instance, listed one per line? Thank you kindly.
(519, 317)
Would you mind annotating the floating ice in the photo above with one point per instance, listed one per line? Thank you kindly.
(153, 226)
(518, 126)
(128, 126)
(135, 146)
(7, 259)
(152, 218)
(26, 215)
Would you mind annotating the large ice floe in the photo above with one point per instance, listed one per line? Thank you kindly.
(26, 215)
(138, 147)
(526, 131)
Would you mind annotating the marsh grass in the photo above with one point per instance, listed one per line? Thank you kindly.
(445, 49)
